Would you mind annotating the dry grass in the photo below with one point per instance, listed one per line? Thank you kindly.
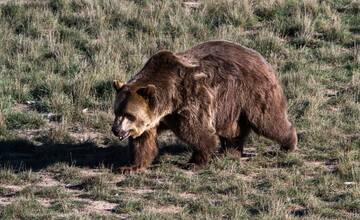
(57, 61)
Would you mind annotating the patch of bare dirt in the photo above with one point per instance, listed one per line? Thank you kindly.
(138, 191)
(12, 188)
(186, 195)
(191, 6)
(188, 173)
(165, 209)
(86, 136)
(102, 207)
(44, 202)
(11, 195)
(97, 206)
(328, 165)
(118, 178)
(18, 107)
(247, 178)
(46, 180)
(89, 172)
(4, 201)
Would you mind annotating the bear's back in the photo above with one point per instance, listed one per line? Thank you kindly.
(227, 50)
(249, 64)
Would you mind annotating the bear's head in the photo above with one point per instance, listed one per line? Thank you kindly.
(134, 109)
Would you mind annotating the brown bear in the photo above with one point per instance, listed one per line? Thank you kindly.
(215, 91)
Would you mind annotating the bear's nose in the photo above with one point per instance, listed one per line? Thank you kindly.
(115, 130)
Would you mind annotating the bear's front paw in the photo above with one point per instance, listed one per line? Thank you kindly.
(129, 170)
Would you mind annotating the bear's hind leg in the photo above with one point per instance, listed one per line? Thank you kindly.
(280, 130)
(235, 145)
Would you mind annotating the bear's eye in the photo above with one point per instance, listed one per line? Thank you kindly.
(130, 116)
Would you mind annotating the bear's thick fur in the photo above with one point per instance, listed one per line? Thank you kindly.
(215, 91)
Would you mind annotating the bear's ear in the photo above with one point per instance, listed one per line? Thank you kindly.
(168, 57)
(149, 94)
(117, 85)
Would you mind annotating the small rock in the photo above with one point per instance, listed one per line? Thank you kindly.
(331, 92)
(30, 102)
(349, 183)
(191, 4)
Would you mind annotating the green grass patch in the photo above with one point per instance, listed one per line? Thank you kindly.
(59, 57)
(20, 120)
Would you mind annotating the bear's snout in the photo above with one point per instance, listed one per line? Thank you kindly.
(115, 130)
(120, 133)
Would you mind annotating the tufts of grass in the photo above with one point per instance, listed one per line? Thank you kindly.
(25, 209)
(41, 91)
(128, 207)
(52, 192)
(103, 90)
(98, 187)
(62, 55)
(65, 173)
(268, 44)
(55, 136)
(67, 206)
(21, 20)
(10, 176)
(234, 13)
(332, 29)
(20, 120)
(58, 5)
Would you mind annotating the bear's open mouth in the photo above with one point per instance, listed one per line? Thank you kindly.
(124, 135)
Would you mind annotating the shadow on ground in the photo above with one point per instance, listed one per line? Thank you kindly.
(22, 154)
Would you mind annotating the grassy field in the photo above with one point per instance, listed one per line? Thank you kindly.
(57, 153)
